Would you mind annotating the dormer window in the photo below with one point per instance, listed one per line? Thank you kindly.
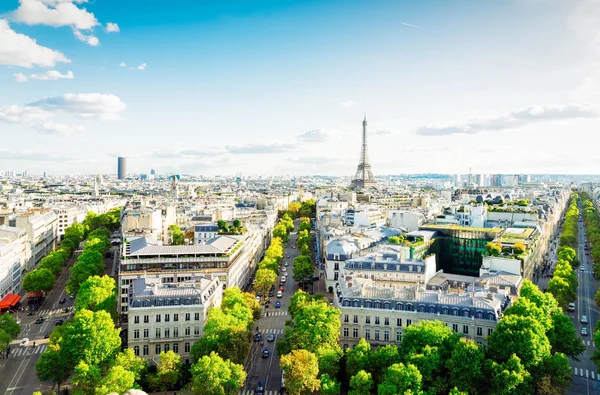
(410, 268)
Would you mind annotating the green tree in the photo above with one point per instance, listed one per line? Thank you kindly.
(9, 325)
(525, 308)
(399, 379)
(53, 364)
(86, 379)
(169, 370)
(39, 280)
(213, 375)
(176, 235)
(280, 231)
(522, 336)
(509, 377)
(5, 340)
(597, 297)
(329, 385)
(382, 358)
(465, 366)
(97, 293)
(265, 278)
(561, 290)
(329, 359)
(54, 261)
(358, 358)
(493, 249)
(316, 325)
(224, 334)
(128, 361)
(301, 369)
(558, 369)
(117, 379)
(544, 301)
(88, 264)
(361, 383)
(303, 267)
(297, 301)
(563, 337)
(519, 248)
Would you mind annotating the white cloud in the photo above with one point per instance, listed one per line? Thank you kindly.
(348, 103)
(39, 156)
(20, 50)
(513, 120)
(54, 13)
(411, 25)
(122, 64)
(90, 40)
(20, 77)
(112, 27)
(59, 128)
(26, 115)
(383, 132)
(142, 66)
(260, 148)
(86, 105)
(51, 75)
(318, 135)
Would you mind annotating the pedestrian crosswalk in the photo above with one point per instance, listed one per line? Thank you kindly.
(50, 312)
(252, 392)
(274, 313)
(25, 351)
(586, 373)
(273, 331)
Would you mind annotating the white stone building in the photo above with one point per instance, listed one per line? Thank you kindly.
(15, 253)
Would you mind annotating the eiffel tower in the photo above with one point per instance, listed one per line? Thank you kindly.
(364, 176)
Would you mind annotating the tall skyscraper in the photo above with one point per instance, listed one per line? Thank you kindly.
(122, 168)
(364, 176)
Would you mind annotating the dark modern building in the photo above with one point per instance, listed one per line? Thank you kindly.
(122, 168)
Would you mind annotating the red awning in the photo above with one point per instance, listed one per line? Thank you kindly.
(9, 301)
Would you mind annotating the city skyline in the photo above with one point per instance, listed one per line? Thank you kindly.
(227, 88)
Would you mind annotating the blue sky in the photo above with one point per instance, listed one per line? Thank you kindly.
(280, 87)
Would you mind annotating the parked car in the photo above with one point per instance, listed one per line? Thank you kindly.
(281, 288)
(571, 307)
(39, 320)
(24, 342)
(584, 319)
(277, 304)
(46, 335)
(584, 332)
(59, 322)
(279, 294)
(62, 300)
(270, 337)
(315, 278)
(285, 263)
(265, 353)
(283, 279)
(271, 293)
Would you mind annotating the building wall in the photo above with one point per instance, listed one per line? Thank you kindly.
(15, 253)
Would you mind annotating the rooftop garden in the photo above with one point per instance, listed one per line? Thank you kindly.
(403, 240)
(459, 227)
(235, 228)
(495, 248)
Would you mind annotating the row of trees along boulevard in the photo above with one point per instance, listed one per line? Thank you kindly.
(527, 353)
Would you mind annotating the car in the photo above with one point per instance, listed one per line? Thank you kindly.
(59, 322)
(259, 293)
(285, 263)
(571, 307)
(62, 300)
(270, 337)
(265, 353)
(584, 319)
(587, 253)
(287, 256)
(39, 320)
(284, 270)
(281, 288)
(279, 294)
(66, 309)
(46, 335)
(294, 247)
(259, 389)
(258, 298)
(257, 337)
(24, 342)
(71, 296)
(283, 280)
(271, 293)
(277, 304)
(584, 332)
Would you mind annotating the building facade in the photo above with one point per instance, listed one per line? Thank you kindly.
(15, 253)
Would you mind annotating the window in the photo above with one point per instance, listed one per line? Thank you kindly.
(197, 331)
(367, 320)
(146, 333)
(398, 321)
(187, 316)
(376, 334)
(167, 333)
(367, 334)
(335, 276)
(167, 317)
(136, 319)
(455, 327)
(466, 313)
(158, 333)
(376, 320)
(157, 349)
(136, 350)
(408, 322)
(187, 331)
(146, 319)
(346, 332)
(398, 336)
(167, 347)
(175, 317)
(145, 350)
(479, 331)
(386, 321)
(345, 317)
(196, 316)
(175, 348)
(355, 333)
(490, 331)
(355, 320)
(175, 332)
(386, 336)
(158, 318)
(136, 334)
(465, 329)
(186, 347)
